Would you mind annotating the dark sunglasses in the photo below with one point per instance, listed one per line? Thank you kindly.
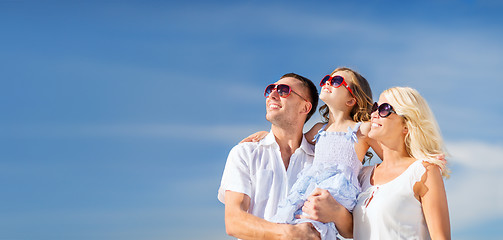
(282, 89)
(336, 81)
(384, 109)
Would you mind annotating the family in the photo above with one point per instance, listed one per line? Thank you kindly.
(286, 184)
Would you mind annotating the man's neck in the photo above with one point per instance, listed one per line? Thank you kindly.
(288, 140)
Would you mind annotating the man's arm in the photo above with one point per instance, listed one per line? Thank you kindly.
(322, 207)
(241, 224)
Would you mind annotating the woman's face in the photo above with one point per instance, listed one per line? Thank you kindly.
(391, 127)
(336, 95)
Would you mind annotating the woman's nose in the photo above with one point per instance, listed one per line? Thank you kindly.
(374, 114)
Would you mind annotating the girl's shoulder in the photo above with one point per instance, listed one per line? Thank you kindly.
(317, 127)
(314, 130)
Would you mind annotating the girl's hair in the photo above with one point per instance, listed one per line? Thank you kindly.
(423, 140)
(362, 92)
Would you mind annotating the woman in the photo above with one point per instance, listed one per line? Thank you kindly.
(404, 196)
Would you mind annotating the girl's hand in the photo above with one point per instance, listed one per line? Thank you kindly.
(255, 137)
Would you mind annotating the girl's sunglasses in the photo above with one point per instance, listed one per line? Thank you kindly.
(336, 81)
(282, 89)
(384, 109)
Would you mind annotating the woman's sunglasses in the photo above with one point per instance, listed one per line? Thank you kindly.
(336, 81)
(384, 109)
(282, 89)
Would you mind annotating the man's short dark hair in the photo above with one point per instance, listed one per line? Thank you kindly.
(313, 91)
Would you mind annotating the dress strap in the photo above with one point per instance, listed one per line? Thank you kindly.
(351, 133)
(322, 129)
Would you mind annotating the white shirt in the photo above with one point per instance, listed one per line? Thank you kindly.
(257, 170)
(390, 210)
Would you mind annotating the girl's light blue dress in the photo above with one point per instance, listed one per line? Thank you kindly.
(335, 168)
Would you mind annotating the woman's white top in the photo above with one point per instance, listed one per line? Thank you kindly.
(390, 210)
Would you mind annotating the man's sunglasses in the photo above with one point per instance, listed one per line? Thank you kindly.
(384, 109)
(282, 89)
(336, 81)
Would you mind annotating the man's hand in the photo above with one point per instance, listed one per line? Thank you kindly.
(302, 231)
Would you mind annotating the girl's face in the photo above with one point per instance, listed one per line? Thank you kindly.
(391, 127)
(336, 96)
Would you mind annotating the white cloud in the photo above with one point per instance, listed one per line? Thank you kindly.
(221, 133)
(474, 191)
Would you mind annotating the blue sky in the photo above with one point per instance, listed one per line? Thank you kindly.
(118, 115)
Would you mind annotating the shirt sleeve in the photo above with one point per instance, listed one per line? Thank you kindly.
(236, 176)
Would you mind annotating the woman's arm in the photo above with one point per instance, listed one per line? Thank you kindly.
(431, 192)
(322, 207)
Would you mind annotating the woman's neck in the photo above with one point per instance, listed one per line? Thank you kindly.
(394, 154)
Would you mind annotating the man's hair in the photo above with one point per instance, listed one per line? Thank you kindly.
(313, 91)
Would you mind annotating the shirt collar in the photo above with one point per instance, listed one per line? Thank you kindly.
(269, 139)
(306, 146)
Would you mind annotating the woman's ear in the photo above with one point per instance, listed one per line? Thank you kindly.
(405, 129)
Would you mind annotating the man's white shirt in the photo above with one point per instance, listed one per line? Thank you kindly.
(257, 170)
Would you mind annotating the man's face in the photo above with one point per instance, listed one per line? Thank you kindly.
(287, 110)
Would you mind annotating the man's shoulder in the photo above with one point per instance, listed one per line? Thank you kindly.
(246, 146)
(250, 147)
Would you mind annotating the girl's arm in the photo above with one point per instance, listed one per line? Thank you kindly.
(431, 192)
(255, 137)
(311, 133)
(369, 142)
(261, 135)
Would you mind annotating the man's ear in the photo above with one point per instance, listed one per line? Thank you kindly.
(307, 107)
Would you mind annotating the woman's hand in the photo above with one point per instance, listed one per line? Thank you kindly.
(255, 137)
(322, 207)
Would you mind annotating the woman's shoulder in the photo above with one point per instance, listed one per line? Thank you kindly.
(431, 168)
(421, 170)
(365, 172)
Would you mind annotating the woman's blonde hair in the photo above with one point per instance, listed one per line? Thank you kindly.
(362, 92)
(423, 139)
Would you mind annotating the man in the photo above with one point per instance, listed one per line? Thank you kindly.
(258, 175)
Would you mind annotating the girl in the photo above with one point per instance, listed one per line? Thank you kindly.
(404, 196)
(341, 146)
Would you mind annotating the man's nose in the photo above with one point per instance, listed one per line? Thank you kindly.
(274, 93)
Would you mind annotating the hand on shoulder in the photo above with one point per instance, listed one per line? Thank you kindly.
(256, 137)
